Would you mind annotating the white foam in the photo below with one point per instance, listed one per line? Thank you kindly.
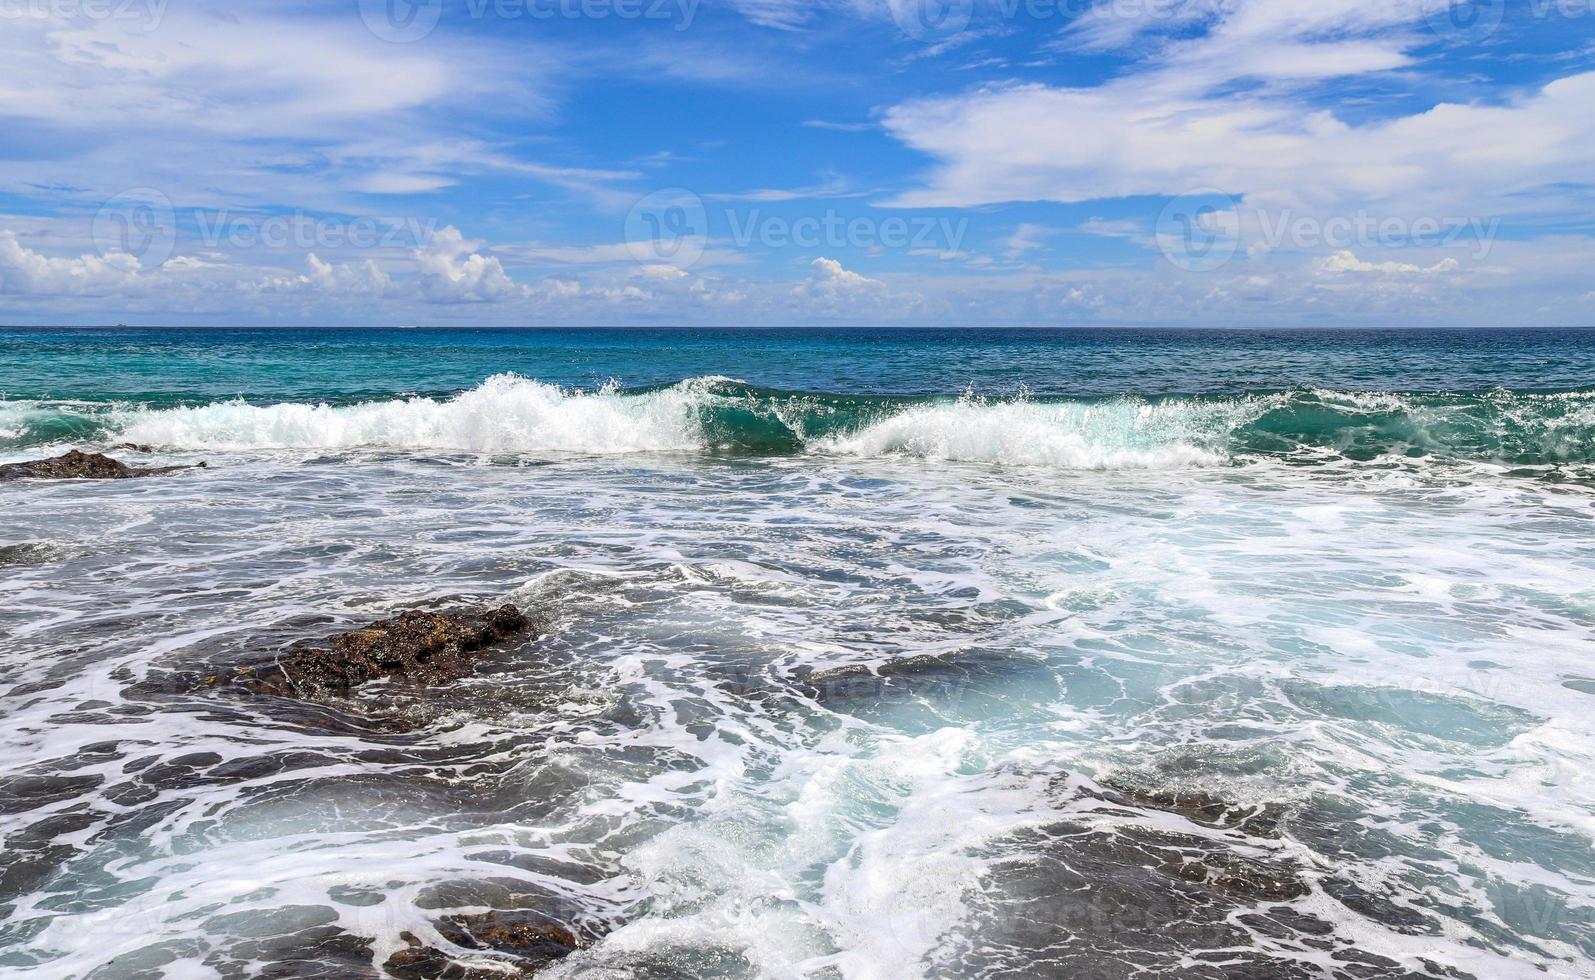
(508, 413)
(505, 413)
(1112, 435)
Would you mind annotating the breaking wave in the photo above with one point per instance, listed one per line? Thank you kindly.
(511, 414)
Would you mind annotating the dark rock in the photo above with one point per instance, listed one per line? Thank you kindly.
(1105, 893)
(421, 647)
(1200, 808)
(28, 553)
(1085, 899)
(77, 465)
(521, 940)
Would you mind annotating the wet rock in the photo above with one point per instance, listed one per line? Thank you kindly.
(28, 791)
(27, 553)
(1083, 899)
(77, 465)
(417, 646)
(1112, 890)
(1200, 808)
(523, 941)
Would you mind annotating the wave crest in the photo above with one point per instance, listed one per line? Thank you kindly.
(511, 414)
(506, 413)
(1112, 435)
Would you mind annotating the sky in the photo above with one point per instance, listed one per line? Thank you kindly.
(798, 162)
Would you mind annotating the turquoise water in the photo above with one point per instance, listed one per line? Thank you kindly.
(1514, 397)
(171, 364)
(886, 654)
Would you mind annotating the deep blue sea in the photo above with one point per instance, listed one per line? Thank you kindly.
(868, 654)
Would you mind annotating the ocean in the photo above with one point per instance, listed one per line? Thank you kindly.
(865, 654)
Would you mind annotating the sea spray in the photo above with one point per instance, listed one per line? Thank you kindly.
(510, 414)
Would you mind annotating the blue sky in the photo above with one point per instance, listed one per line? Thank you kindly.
(772, 162)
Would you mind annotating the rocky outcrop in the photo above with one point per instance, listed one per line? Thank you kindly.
(520, 941)
(77, 465)
(422, 647)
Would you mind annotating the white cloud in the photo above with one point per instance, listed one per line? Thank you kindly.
(250, 105)
(661, 273)
(1026, 238)
(1236, 108)
(1034, 142)
(830, 280)
(839, 127)
(1125, 228)
(453, 271)
(1346, 261)
(27, 272)
(350, 279)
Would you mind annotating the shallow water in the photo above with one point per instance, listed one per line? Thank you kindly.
(1200, 681)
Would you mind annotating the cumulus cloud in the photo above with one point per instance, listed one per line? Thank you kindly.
(833, 293)
(349, 279)
(449, 269)
(453, 271)
(26, 272)
(830, 281)
(1346, 261)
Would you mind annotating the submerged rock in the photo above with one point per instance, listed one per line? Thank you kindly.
(1200, 808)
(521, 941)
(418, 646)
(27, 553)
(77, 465)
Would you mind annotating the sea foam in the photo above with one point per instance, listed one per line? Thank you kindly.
(1113, 435)
(508, 413)
(505, 413)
